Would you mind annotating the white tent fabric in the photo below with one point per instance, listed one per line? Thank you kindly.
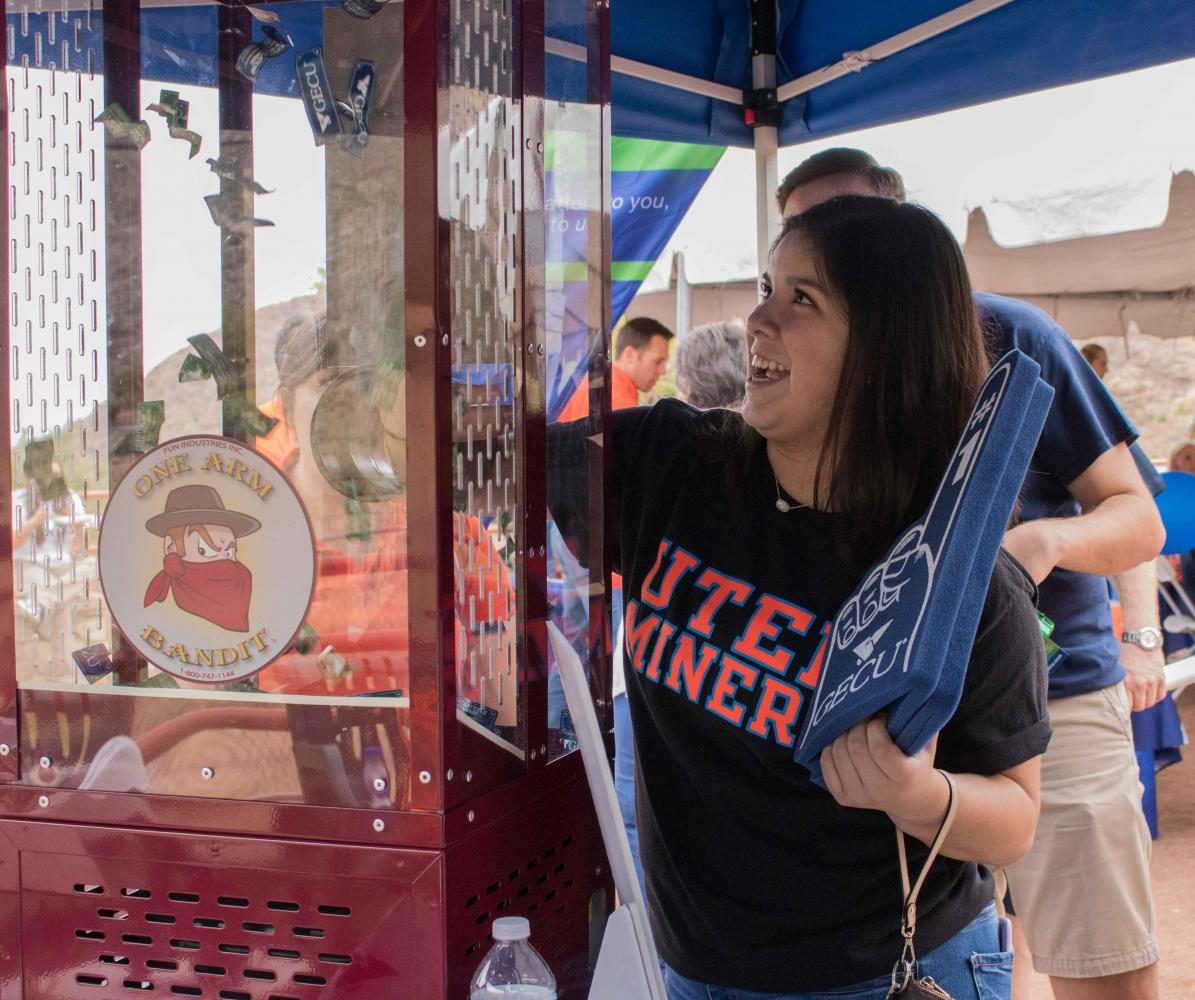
(1141, 281)
(1101, 286)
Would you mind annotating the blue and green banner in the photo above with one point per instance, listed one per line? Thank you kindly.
(652, 186)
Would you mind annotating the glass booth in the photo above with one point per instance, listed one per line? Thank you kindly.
(290, 288)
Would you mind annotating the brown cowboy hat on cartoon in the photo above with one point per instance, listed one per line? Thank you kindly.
(200, 563)
(199, 505)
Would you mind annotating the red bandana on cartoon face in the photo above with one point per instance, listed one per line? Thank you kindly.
(217, 591)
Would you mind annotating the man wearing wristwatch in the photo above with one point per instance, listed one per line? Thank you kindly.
(1148, 638)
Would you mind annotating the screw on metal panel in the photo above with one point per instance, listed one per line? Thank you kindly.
(450, 774)
(539, 147)
(43, 801)
(5, 749)
(539, 349)
(472, 815)
(444, 340)
(379, 825)
(379, 784)
(530, 348)
(543, 748)
(207, 773)
(468, 775)
(533, 755)
(425, 777)
(46, 762)
(420, 340)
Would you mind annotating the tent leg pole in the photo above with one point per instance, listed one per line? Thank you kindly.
(764, 21)
(767, 218)
(684, 296)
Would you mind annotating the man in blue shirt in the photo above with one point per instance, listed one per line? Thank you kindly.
(1083, 891)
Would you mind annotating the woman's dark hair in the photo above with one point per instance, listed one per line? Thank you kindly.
(915, 360)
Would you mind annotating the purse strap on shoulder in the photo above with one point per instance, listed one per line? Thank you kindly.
(908, 919)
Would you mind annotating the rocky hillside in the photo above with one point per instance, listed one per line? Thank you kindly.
(1153, 379)
(192, 407)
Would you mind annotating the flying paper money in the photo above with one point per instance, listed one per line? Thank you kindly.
(228, 216)
(119, 125)
(176, 111)
(254, 56)
(228, 168)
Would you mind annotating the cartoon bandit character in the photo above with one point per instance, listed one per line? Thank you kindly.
(200, 561)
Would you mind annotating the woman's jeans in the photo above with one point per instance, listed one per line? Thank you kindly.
(624, 778)
(968, 967)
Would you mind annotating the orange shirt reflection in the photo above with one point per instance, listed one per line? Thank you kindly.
(360, 607)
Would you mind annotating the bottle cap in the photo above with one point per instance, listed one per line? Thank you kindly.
(512, 929)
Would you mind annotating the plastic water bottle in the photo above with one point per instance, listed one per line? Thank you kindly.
(512, 969)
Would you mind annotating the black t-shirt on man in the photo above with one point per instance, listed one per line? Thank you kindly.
(756, 878)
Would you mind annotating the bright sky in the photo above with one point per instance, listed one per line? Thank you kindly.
(1090, 158)
(1080, 160)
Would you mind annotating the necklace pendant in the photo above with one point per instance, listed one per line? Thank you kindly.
(783, 505)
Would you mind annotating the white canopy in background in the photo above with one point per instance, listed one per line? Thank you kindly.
(1101, 286)
(1053, 168)
(1140, 281)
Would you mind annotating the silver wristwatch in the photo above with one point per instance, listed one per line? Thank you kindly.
(1147, 638)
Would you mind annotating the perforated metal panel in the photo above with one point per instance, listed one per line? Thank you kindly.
(105, 915)
(483, 202)
(57, 323)
(544, 862)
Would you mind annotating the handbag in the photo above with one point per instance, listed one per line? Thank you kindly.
(904, 983)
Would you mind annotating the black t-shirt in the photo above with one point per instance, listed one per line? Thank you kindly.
(756, 878)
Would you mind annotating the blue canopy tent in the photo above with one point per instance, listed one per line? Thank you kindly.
(684, 70)
(832, 73)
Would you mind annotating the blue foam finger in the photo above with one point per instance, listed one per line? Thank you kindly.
(905, 633)
(923, 711)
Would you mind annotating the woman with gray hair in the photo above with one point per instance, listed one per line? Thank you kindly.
(711, 365)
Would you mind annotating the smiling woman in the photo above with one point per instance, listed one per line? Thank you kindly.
(876, 346)
(741, 535)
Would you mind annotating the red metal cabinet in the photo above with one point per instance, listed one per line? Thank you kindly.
(388, 316)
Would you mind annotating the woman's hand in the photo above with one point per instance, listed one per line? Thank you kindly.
(997, 813)
(864, 769)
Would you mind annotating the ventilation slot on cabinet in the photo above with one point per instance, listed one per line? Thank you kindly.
(91, 980)
(227, 959)
(544, 883)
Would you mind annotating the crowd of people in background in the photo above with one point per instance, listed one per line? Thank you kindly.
(1086, 516)
(801, 440)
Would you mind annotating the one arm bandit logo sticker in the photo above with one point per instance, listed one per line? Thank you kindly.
(207, 559)
(863, 648)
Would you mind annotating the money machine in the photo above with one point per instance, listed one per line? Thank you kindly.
(294, 292)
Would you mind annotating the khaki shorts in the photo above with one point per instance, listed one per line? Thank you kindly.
(1082, 892)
